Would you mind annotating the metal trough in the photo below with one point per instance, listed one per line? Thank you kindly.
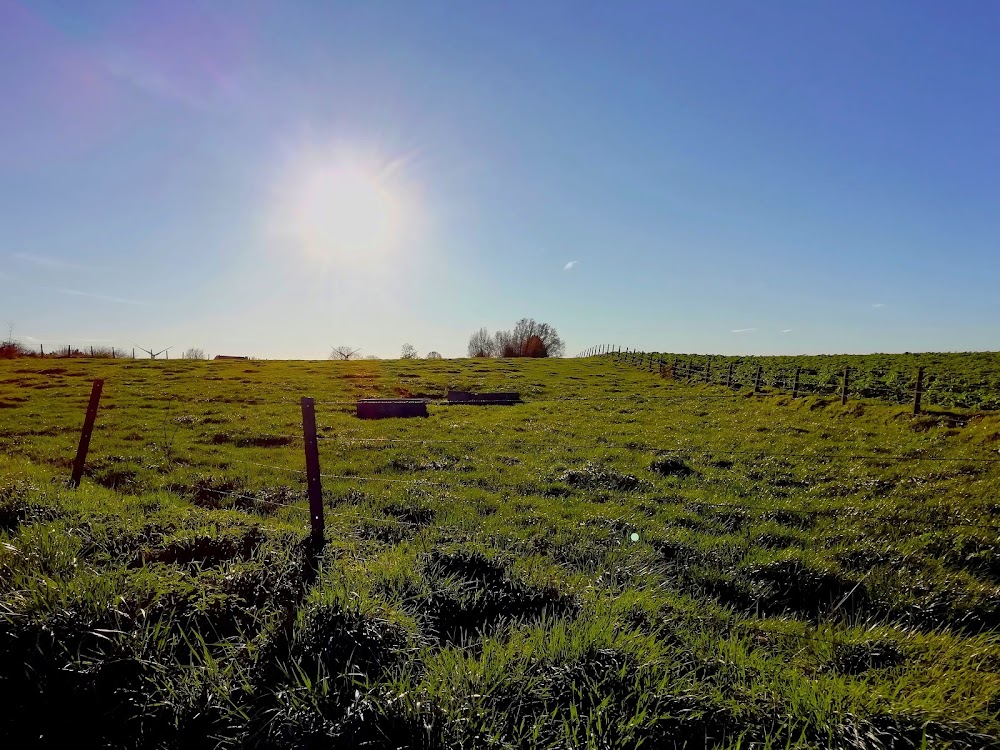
(482, 399)
(387, 408)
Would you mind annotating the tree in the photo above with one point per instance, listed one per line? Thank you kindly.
(344, 352)
(534, 339)
(409, 352)
(529, 338)
(194, 353)
(434, 355)
(481, 344)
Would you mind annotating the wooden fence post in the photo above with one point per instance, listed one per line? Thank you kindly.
(88, 429)
(41, 348)
(729, 376)
(795, 383)
(756, 380)
(708, 370)
(688, 378)
(918, 389)
(313, 482)
(843, 392)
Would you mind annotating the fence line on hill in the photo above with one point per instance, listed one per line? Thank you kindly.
(726, 376)
(314, 476)
(769, 626)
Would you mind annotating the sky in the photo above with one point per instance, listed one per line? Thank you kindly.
(272, 179)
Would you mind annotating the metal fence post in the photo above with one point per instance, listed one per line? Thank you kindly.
(918, 389)
(313, 481)
(88, 429)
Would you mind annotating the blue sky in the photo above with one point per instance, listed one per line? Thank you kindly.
(273, 178)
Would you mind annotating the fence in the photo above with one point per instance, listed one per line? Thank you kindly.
(312, 476)
(917, 387)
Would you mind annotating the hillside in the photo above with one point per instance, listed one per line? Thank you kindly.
(622, 559)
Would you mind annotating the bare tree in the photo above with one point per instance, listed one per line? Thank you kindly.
(434, 355)
(409, 351)
(529, 338)
(344, 352)
(481, 344)
(504, 345)
(533, 339)
(194, 353)
(372, 356)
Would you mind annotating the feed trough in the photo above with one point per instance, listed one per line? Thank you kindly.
(387, 408)
(482, 399)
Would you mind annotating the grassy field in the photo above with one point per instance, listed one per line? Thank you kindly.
(969, 380)
(620, 561)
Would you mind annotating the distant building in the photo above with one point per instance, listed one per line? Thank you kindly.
(227, 356)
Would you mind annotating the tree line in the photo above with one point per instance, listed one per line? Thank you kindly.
(528, 338)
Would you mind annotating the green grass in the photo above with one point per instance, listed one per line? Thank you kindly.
(969, 380)
(800, 579)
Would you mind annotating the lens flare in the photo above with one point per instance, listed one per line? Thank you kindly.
(342, 207)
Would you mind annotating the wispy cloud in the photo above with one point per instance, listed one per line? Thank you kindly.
(785, 330)
(42, 261)
(571, 265)
(91, 295)
(743, 330)
(878, 304)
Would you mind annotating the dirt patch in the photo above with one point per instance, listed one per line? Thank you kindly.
(119, 479)
(16, 509)
(346, 641)
(410, 514)
(592, 476)
(671, 466)
(216, 493)
(857, 658)
(389, 531)
(789, 586)
(204, 551)
(472, 595)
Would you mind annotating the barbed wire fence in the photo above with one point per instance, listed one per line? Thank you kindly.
(750, 375)
(311, 476)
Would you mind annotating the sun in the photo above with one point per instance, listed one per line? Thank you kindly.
(341, 207)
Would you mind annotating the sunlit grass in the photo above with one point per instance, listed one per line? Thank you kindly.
(797, 580)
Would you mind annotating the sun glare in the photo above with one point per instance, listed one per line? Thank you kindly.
(341, 208)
